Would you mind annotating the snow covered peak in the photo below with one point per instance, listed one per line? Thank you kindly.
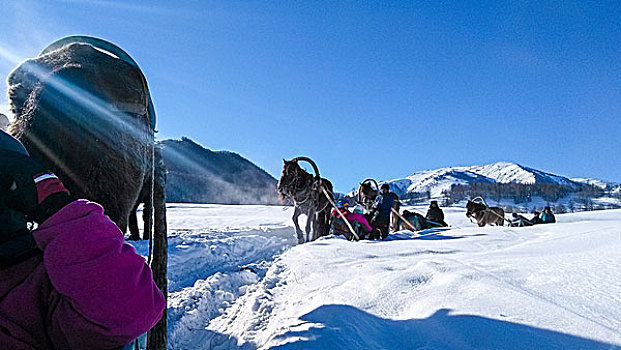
(436, 181)
(505, 172)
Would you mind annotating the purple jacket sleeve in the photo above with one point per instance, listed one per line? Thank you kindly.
(359, 218)
(106, 291)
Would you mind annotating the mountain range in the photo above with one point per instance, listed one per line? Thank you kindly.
(503, 180)
(199, 175)
(436, 181)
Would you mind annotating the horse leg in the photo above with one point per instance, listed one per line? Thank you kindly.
(315, 227)
(320, 225)
(310, 220)
(325, 223)
(298, 230)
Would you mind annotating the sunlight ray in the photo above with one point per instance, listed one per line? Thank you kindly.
(57, 160)
(9, 56)
(105, 112)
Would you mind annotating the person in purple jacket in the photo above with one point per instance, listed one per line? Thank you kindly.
(72, 283)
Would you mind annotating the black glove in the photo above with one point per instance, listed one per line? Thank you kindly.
(26, 187)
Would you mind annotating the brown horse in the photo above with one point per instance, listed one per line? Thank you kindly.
(305, 192)
(483, 214)
(85, 115)
(367, 194)
(82, 109)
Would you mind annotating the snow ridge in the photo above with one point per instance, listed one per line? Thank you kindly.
(436, 181)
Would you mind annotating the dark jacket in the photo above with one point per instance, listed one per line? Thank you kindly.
(547, 218)
(435, 214)
(383, 204)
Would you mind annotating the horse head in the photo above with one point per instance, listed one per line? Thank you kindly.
(472, 207)
(366, 192)
(294, 177)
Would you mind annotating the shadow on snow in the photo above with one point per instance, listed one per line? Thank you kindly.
(346, 327)
(428, 234)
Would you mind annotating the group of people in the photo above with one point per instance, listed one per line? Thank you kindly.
(375, 224)
(545, 217)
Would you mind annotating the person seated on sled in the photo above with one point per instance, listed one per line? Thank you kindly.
(71, 283)
(342, 207)
(519, 221)
(354, 217)
(414, 221)
(536, 218)
(382, 208)
(435, 214)
(547, 217)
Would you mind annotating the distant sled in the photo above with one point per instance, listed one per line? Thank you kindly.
(414, 221)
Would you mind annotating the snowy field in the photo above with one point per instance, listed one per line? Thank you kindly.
(237, 279)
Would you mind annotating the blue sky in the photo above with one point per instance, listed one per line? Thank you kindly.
(367, 89)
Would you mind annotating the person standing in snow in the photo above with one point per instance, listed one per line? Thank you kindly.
(382, 210)
(72, 283)
(435, 214)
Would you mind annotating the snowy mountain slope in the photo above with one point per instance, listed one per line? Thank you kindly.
(442, 179)
(542, 287)
(199, 175)
(505, 172)
(595, 182)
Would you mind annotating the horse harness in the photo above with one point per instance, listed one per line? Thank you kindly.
(484, 210)
(298, 189)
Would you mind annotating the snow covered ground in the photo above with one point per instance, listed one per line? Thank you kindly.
(238, 280)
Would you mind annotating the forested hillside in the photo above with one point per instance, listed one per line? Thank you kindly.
(199, 175)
